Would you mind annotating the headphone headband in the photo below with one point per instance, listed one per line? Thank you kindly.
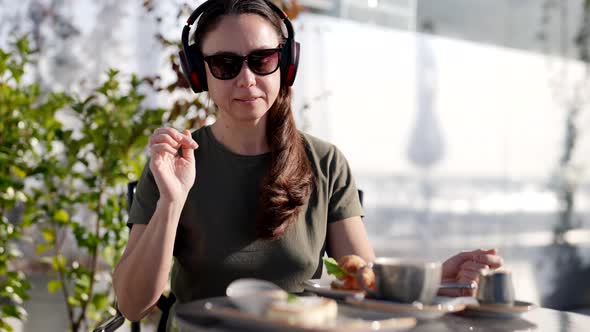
(191, 58)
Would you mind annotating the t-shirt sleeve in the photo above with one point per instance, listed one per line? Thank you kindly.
(344, 196)
(145, 199)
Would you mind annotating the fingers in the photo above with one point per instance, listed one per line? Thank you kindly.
(474, 266)
(187, 140)
(168, 136)
(492, 260)
(183, 138)
(169, 131)
(466, 268)
(469, 276)
(487, 257)
(173, 138)
(164, 139)
(188, 145)
(469, 273)
(469, 255)
(158, 149)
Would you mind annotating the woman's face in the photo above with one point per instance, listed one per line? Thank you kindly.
(248, 96)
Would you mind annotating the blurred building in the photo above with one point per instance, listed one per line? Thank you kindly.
(523, 24)
(399, 14)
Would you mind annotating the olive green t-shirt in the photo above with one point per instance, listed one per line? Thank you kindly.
(215, 240)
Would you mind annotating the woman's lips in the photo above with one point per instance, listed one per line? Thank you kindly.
(248, 100)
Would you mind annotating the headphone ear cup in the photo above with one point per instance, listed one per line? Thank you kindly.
(295, 65)
(189, 74)
(198, 64)
(193, 69)
(290, 62)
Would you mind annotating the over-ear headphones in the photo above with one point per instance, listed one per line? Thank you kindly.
(193, 65)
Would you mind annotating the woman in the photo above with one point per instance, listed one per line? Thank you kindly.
(249, 196)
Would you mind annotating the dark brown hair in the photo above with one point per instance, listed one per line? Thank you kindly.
(290, 179)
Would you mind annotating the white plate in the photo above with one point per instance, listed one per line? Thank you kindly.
(441, 306)
(498, 310)
(322, 287)
(221, 310)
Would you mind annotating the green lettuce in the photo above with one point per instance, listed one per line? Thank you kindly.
(292, 298)
(333, 268)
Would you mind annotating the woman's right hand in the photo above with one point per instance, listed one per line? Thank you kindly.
(174, 174)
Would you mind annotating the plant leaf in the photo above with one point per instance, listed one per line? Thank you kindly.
(53, 286)
(61, 216)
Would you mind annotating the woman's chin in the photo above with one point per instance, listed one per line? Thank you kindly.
(248, 114)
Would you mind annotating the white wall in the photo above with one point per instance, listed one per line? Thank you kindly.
(494, 106)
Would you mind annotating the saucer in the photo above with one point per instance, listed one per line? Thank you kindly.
(499, 310)
(441, 306)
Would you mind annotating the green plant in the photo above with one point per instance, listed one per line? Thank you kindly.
(23, 112)
(82, 196)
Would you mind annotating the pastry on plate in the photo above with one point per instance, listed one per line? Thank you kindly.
(307, 311)
(346, 270)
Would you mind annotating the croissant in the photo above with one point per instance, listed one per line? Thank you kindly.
(351, 264)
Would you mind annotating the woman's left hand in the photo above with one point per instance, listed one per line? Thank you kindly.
(465, 268)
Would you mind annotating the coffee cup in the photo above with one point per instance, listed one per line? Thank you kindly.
(495, 287)
(403, 280)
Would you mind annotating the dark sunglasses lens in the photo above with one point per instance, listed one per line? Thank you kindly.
(225, 67)
(264, 62)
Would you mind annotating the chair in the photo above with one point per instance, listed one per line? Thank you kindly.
(164, 303)
(361, 196)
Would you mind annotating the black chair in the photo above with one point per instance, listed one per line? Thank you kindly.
(164, 303)
(361, 196)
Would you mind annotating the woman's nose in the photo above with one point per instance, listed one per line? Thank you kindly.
(246, 78)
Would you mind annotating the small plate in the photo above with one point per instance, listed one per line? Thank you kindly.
(441, 306)
(220, 310)
(499, 310)
(322, 287)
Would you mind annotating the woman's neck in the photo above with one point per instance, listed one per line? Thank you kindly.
(244, 138)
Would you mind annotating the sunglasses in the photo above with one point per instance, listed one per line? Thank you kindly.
(226, 66)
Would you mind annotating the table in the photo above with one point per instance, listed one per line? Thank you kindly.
(540, 319)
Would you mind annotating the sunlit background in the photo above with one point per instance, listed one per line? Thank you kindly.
(464, 122)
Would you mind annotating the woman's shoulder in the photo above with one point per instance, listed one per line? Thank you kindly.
(317, 144)
(321, 149)
(326, 158)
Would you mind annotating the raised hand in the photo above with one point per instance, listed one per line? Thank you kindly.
(174, 173)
